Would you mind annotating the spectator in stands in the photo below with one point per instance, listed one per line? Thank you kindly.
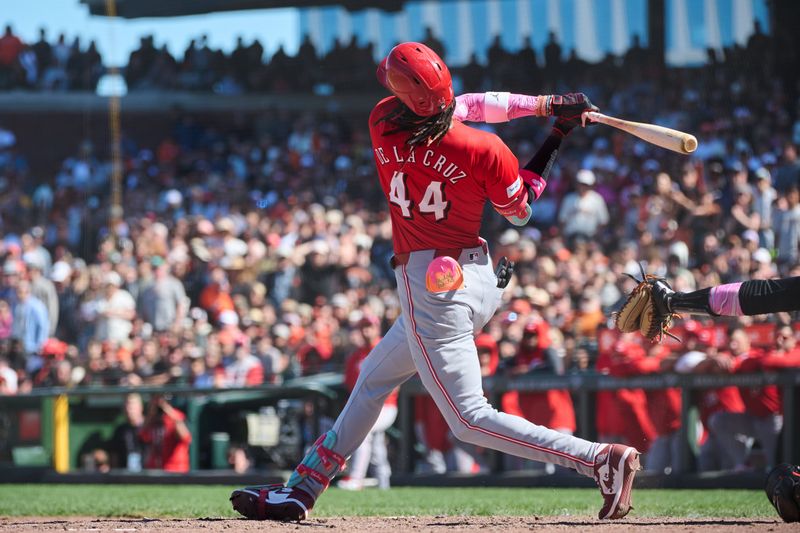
(6, 320)
(8, 378)
(116, 310)
(163, 303)
(787, 227)
(788, 174)
(432, 42)
(216, 296)
(31, 324)
(10, 48)
(165, 436)
(552, 56)
(68, 301)
(583, 213)
(55, 78)
(43, 289)
(763, 198)
(127, 447)
(43, 52)
(11, 278)
(246, 369)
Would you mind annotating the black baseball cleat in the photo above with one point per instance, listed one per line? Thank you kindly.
(272, 502)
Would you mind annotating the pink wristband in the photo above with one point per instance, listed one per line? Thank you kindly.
(724, 300)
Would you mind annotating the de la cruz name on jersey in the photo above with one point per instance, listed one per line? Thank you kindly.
(437, 193)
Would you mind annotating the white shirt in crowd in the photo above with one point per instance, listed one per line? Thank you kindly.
(583, 214)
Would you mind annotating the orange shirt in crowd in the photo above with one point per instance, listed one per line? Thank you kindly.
(215, 301)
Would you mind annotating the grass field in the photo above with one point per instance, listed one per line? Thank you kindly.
(192, 501)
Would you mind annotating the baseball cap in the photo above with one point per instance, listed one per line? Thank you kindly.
(763, 174)
(156, 260)
(11, 267)
(229, 318)
(33, 260)
(585, 177)
(750, 235)
(508, 237)
(61, 272)
(368, 320)
(281, 330)
(112, 278)
(173, 197)
(762, 255)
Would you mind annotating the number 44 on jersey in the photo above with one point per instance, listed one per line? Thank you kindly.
(433, 201)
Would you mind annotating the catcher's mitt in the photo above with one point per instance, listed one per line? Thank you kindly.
(644, 312)
(783, 491)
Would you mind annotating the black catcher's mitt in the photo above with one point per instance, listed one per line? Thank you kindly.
(783, 491)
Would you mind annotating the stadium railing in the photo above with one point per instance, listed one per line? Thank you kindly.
(30, 423)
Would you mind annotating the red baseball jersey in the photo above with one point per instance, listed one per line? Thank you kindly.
(760, 401)
(437, 193)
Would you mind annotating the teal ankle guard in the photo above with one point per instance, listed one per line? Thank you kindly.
(320, 463)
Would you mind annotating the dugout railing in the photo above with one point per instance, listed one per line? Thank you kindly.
(60, 423)
(584, 386)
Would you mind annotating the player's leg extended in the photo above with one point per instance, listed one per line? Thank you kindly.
(387, 366)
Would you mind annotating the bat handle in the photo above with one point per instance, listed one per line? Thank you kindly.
(593, 116)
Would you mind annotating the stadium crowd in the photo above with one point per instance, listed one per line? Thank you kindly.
(61, 65)
(258, 253)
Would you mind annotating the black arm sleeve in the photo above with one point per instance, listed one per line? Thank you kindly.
(542, 161)
(760, 296)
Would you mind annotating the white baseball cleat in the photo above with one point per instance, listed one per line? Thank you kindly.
(614, 469)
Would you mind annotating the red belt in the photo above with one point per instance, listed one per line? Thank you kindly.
(455, 253)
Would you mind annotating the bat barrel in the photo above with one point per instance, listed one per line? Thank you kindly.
(668, 138)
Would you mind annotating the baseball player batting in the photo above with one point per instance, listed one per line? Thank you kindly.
(437, 174)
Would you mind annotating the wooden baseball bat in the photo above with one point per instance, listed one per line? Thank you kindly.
(677, 141)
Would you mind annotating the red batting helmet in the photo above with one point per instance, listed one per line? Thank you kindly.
(418, 77)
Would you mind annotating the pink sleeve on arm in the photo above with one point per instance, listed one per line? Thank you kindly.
(497, 107)
(724, 300)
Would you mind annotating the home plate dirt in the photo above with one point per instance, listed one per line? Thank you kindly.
(417, 524)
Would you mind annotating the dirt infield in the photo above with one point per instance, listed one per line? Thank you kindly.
(449, 524)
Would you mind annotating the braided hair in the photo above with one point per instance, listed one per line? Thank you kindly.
(421, 129)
